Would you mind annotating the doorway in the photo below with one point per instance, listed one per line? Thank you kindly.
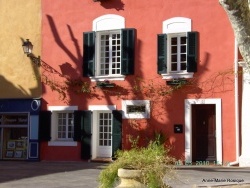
(203, 133)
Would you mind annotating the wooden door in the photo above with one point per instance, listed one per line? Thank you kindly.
(203, 133)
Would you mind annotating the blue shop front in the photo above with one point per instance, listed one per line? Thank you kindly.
(19, 128)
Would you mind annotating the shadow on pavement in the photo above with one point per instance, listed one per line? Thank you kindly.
(15, 170)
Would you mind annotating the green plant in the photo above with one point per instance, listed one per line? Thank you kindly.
(153, 161)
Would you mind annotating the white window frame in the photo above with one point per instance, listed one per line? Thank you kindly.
(98, 54)
(175, 26)
(136, 115)
(54, 126)
(67, 125)
(101, 24)
(169, 61)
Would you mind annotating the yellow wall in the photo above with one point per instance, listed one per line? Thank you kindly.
(19, 20)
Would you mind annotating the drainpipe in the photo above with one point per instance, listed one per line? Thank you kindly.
(236, 94)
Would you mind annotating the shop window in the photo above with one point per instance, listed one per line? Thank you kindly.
(14, 136)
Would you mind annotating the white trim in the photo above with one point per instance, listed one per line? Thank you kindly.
(103, 78)
(62, 143)
(102, 107)
(136, 115)
(108, 22)
(188, 126)
(62, 108)
(54, 128)
(177, 75)
(94, 128)
(177, 25)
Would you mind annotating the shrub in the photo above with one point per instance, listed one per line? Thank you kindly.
(152, 160)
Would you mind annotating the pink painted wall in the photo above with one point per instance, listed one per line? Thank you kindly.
(63, 25)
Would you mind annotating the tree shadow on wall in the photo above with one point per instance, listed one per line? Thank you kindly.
(112, 4)
(9, 90)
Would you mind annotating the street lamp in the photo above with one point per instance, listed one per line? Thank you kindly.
(27, 49)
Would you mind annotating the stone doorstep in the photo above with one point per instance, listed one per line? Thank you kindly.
(102, 160)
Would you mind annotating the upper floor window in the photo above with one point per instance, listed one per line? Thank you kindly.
(108, 53)
(177, 49)
(109, 49)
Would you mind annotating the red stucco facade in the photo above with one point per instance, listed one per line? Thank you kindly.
(63, 25)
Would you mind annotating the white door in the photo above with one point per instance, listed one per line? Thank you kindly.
(104, 134)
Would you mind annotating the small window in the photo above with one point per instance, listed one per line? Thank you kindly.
(177, 49)
(65, 126)
(177, 52)
(136, 109)
(62, 125)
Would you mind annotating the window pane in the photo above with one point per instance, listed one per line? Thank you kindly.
(183, 57)
(174, 66)
(183, 49)
(183, 40)
(174, 49)
(174, 41)
(174, 58)
(183, 66)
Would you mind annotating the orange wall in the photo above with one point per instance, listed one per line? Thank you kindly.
(62, 34)
(19, 78)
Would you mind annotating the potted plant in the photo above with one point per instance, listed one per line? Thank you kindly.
(104, 84)
(149, 166)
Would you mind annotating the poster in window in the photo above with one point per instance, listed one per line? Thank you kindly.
(18, 154)
(19, 144)
(9, 154)
(11, 145)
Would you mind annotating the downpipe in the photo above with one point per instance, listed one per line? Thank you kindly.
(236, 94)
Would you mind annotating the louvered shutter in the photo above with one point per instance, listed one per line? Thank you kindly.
(86, 135)
(116, 131)
(192, 51)
(162, 53)
(78, 124)
(44, 125)
(127, 51)
(89, 54)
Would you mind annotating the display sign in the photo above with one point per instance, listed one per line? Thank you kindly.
(13, 119)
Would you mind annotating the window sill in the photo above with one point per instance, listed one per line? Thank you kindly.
(62, 143)
(177, 75)
(103, 78)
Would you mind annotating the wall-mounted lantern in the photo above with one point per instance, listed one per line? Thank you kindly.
(27, 49)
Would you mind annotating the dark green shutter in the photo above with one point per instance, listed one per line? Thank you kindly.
(82, 132)
(116, 131)
(78, 124)
(127, 51)
(162, 53)
(192, 51)
(44, 125)
(89, 54)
